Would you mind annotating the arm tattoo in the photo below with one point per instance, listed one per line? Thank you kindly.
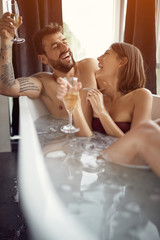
(25, 85)
(6, 70)
(7, 75)
(6, 48)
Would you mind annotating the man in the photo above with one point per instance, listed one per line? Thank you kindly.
(52, 49)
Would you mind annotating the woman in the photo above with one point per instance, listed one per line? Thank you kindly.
(121, 101)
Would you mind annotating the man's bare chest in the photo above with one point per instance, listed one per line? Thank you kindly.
(53, 104)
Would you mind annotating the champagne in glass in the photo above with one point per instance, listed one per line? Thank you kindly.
(12, 7)
(70, 100)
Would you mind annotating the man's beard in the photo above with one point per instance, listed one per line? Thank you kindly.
(62, 67)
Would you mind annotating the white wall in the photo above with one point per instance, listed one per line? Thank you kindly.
(4, 125)
(5, 145)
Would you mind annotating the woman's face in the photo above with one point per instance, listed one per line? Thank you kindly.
(109, 64)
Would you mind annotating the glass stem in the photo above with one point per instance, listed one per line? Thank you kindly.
(16, 33)
(70, 118)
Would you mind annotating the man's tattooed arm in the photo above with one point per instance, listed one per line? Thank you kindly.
(6, 69)
(25, 85)
(6, 52)
(7, 75)
(21, 86)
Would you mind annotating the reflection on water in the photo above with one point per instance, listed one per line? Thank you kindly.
(87, 179)
(115, 202)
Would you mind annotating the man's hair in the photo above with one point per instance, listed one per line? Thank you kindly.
(132, 75)
(47, 30)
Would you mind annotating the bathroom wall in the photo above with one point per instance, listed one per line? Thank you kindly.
(5, 145)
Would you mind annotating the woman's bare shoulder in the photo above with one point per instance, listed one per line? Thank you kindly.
(142, 92)
(142, 95)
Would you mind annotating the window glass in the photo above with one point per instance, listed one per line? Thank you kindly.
(88, 26)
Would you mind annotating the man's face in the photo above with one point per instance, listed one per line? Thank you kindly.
(58, 52)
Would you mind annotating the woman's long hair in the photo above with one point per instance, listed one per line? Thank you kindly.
(132, 74)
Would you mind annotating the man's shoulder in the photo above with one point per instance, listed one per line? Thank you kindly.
(88, 63)
(41, 75)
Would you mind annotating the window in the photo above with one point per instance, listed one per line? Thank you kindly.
(88, 26)
(158, 44)
(92, 25)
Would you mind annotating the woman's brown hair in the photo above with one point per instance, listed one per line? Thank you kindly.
(132, 74)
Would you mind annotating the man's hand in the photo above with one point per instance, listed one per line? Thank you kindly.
(64, 86)
(7, 26)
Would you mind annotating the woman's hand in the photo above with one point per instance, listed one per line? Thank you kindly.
(95, 97)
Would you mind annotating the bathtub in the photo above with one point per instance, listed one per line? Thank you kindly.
(46, 216)
(110, 202)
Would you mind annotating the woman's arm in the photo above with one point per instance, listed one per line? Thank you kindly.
(142, 111)
(96, 99)
(80, 120)
(109, 125)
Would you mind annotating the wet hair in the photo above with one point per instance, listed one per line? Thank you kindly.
(47, 30)
(132, 74)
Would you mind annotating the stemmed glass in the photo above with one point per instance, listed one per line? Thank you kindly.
(70, 100)
(12, 7)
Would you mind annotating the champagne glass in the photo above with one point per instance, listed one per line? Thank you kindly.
(70, 100)
(12, 7)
